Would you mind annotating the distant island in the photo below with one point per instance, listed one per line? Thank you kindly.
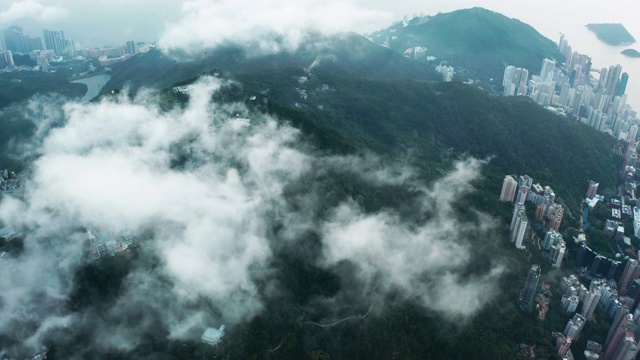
(612, 34)
(633, 53)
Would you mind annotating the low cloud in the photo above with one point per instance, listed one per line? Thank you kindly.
(203, 188)
(426, 262)
(34, 10)
(260, 27)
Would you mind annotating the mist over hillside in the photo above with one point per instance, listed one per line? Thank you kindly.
(232, 208)
(316, 193)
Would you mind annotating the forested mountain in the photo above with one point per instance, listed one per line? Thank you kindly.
(494, 40)
(380, 100)
(347, 54)
(350, 96)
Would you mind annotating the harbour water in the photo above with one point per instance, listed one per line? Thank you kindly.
(94, 85)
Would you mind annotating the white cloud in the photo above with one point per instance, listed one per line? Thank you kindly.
(33, 9)
(110, 167)
(263, 27)
(208, 245)
(424, 262)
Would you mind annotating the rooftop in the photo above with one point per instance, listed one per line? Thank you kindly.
(212, 335)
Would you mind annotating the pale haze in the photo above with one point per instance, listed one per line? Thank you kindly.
(97, 23)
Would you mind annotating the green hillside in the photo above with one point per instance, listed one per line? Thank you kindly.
(435, 122)
(350, 54)
(20, 85)
(479, 43)
(360, 98)
(376, 99)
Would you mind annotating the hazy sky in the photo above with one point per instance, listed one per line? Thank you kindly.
(196, 24)
(100, 22)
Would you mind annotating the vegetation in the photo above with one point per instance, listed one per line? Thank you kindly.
(494, 40)
(14, 128)
(436, 122)
(365, 98)
(632, 53)
(21, 85)
(612, 34)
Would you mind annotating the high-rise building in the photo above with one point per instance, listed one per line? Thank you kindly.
(585, 256)
(548, 70)
(6, 59)
(594, 269)
(54, 40)
(509, 187)
(541, 209)
(591, 300)
(519, 224)
(528, 293)
(636, 221)
(633, 133)
(521, 194)
(556, 217)
(132, 47)
(569, 303)
(562, 44)
(602, 82)
(613, 78)
(574, 326)
(593, 350)
(525, 180)
(630, 273)
(562, 344)
(551, 238)
(619, 319)
(514, 81)
(16, 41)
(446, 71)
(508, 75)
(557, 254)
(633, 291)
(622, 86)
(622, 344)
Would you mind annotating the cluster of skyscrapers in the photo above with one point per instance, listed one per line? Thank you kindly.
(620, 342)
(16, 41)
(56, 46)
(515, 81)
(599, 103)
(108, 243)
(446, 71)
(619, 301)
(594, 264)
(548, 212)
(55, 40)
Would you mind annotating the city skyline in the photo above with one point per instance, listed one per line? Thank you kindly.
(96, 19)
(102, 24)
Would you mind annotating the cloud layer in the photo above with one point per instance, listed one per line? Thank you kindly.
(261, 27)
(34, 10)
(424, 263)
(203, 187)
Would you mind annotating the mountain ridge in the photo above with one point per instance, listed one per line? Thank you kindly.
(494, 40)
